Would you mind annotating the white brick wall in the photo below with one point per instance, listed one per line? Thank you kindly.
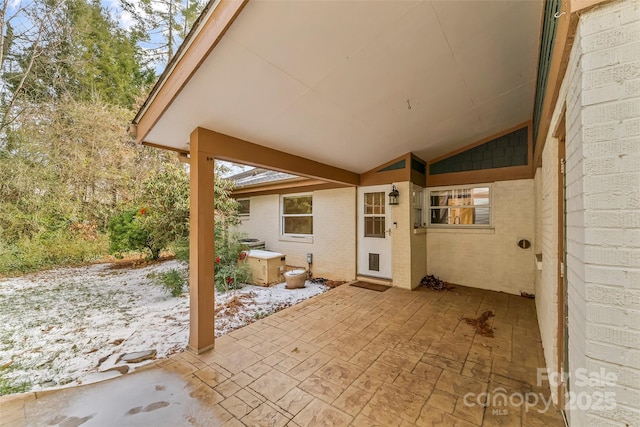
(547, 283)
(575, 222)
(418, 249)
(401, 238)
(334, 221)
(334, 241)
(490, 259)
(602, 94)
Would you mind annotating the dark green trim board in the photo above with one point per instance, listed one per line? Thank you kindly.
(508, 150)
(549, 28)
(397, 165)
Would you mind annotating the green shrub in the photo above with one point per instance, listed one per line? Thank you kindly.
(161, 221)
(48, 250)
(127, 232)
(172, 281)
(231, 272)
(181, 249)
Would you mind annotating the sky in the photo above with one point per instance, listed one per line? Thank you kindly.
(124, 19)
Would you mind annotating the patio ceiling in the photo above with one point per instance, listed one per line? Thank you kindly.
(354, 84)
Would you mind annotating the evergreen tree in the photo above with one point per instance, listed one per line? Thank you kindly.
(165, 23)
(79, 53)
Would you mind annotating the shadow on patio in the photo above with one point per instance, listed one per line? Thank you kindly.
(350, 356)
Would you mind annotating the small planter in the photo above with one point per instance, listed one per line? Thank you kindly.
(295, 279)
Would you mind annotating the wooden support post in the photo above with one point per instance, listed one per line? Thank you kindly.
(201, 246)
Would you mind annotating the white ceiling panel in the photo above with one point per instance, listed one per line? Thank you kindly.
(233, 92)
(326, 34)
(326, 132)
(333, 81)
(487, 50)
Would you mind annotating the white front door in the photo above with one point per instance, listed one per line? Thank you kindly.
(374, 231)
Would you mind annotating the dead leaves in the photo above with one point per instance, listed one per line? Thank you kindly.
(482, 327)
(328, 283)
(234, 305)
(435, 284)
(334, 283)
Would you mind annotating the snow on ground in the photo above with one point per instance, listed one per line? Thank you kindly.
(70, 326)
(258, 302)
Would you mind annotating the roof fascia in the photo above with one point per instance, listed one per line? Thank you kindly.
(211, 26)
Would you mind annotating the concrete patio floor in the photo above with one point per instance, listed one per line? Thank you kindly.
(350, 356)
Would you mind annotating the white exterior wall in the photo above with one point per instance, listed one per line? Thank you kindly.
(602, 93)
(401, 238)
(537, 182)
(490, 258)
(418, 248)
(334, 227)
(547, 279)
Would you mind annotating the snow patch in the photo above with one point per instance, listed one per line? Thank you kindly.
(71, 326)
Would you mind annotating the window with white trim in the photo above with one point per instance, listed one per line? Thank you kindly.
(464, 206)
(297, 215)
(244, 207)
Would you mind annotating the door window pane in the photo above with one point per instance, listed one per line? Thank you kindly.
(374, 214)
(374, 203)
(374, 226)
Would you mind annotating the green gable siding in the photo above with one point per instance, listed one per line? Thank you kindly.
(505, 151)
(397, 165)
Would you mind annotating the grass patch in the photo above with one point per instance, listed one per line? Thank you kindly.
(171, 281)
(9, 387)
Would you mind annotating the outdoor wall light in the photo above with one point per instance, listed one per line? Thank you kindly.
(394, 196)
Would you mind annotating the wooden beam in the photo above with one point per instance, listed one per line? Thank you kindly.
(288, 185)
(264, 191)
(232, 149)
(162, 147)
(480, 176)
(583, 5)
